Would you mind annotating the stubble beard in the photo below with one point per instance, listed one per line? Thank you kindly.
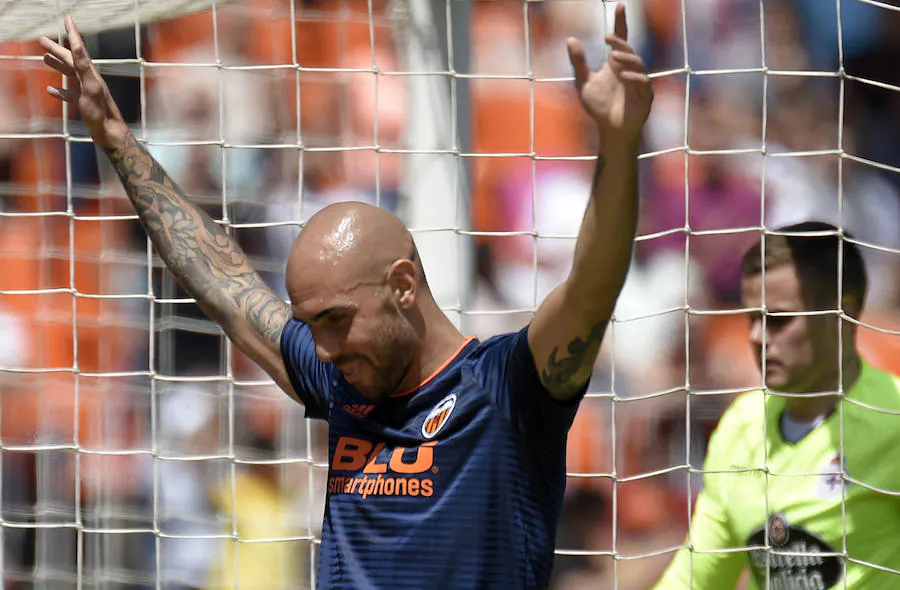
(396, 345)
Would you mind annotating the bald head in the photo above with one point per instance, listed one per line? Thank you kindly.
(355, 279)
(349, 244)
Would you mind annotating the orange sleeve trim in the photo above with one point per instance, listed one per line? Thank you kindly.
(439, 369)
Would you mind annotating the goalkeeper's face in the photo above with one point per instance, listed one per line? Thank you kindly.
(801, 350)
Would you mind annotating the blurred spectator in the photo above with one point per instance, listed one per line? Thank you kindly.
(255, 503)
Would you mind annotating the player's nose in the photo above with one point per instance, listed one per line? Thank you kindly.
(327, 350)
(756, 332)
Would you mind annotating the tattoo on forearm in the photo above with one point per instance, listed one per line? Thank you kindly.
(565, 375)
(201, 255)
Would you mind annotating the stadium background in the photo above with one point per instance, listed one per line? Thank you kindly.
(138, 449)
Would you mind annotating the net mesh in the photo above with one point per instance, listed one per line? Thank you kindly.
(139, 448)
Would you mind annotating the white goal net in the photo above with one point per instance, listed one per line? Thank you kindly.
(139, 449)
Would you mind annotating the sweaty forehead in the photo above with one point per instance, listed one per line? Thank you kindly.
(342, 248)
(321, 278)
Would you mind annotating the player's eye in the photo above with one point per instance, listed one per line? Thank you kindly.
(776, 323)
(336, 319)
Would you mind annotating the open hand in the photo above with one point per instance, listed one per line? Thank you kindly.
(619, 95)
(88, 90)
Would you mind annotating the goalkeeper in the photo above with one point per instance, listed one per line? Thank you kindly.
(799, 488)
(446, 455)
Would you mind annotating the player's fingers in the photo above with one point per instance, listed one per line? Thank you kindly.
(634, 77)
(49, 45)
(617, 43)
(80, 57)
(63, 94)
(579, 61)
(627, 61)
(59, 65)
(92, 84)
(59, 52)
(73, 36)
(621, 26)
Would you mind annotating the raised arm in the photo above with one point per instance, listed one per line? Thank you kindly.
(569, 325)
(201, 256)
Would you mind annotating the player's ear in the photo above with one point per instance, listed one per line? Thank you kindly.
(402, 280)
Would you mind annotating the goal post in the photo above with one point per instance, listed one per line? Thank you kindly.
(29, 20)
(433, 40)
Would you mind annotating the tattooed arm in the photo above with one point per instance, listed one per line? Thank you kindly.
(569, 325)
(204, 259)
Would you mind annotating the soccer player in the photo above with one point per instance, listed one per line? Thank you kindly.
(447, 455)
(795, 485)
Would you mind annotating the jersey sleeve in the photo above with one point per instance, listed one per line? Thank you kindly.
(704, 567)
(309, 376)
(508, 372)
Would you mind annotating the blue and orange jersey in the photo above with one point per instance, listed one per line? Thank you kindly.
(457, 484)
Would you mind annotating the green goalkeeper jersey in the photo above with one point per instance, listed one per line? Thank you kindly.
(806, 515)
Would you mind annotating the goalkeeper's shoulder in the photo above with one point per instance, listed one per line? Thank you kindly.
(876, 395)
(743, 419)
(884, 383)
(747, 409)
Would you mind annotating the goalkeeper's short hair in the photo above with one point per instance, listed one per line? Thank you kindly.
(817, 259)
